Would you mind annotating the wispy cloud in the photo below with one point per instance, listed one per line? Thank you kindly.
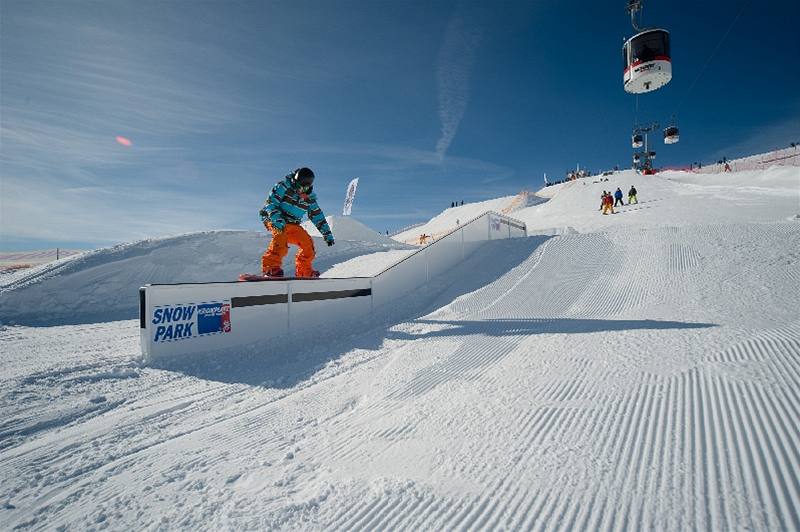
(75, 86)
(455, 64)
(70, 84)
(393, 157)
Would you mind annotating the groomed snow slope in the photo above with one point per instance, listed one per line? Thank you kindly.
(641, 374)
(671, 198)
(348, 228)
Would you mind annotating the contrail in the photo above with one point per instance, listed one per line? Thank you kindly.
(456, 58)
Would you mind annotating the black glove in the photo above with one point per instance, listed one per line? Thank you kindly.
(330, 242)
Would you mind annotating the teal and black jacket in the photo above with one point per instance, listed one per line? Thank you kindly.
(287, 205)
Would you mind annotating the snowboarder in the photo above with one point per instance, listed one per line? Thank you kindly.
(632, 195)
(288, 202)
(618, 197)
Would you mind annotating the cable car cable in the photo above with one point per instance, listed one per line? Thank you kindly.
(710, 57)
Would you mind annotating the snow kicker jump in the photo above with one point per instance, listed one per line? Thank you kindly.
(178, 320)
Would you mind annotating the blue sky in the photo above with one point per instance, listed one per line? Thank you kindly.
(425, 102)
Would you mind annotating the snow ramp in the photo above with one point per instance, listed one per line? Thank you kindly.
(180, 320)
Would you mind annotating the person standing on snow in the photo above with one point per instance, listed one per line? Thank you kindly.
(608, 204)
(632, 195)
(282, 213)
(618, 197)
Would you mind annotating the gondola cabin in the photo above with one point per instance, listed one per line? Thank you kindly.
(671, 135)
(647, 61)
(637, 141)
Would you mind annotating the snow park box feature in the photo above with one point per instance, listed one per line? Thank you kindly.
(178, 320)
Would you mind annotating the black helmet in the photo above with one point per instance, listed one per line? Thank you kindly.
(303, 177)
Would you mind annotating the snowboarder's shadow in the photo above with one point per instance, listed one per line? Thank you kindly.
(516, 327)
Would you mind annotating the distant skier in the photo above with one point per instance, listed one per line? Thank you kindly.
(632, 195)
(282, 213)
(618, 197)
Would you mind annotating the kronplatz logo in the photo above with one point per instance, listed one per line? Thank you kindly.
(213, 318)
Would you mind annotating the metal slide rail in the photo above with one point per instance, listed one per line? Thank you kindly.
(178, 320)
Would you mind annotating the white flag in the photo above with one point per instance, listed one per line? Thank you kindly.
(349, 197)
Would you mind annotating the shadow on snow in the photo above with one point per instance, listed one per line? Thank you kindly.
(524, 327)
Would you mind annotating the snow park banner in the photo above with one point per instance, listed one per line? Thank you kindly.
(349, 197)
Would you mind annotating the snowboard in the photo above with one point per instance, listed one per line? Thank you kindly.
(253, 277)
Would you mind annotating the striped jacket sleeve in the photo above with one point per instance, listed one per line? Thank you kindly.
(271, 211)
(317, 217)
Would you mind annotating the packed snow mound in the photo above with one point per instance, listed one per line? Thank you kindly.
(451, 218)
(348, 228)
(102, 285)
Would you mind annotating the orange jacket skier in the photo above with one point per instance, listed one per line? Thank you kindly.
(608, 204)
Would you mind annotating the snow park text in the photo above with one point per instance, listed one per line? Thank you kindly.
(179, 322)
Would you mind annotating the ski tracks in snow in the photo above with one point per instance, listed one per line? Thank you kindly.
(677, 429)
(609, 380)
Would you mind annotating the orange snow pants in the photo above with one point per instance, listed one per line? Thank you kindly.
(279, 247)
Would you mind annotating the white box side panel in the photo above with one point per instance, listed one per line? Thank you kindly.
(518, 230)
(497, 228)
(445, 254)
(475, 234)
(400, 279)
(477, 231)
(333, 303)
